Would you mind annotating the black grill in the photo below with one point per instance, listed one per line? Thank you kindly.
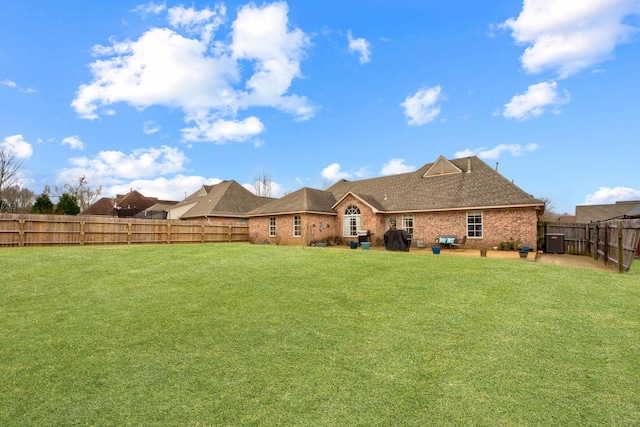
(364, 236)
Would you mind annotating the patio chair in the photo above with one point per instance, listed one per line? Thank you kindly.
(454, 246)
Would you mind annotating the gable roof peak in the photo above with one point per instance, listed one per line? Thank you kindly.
(442, 166)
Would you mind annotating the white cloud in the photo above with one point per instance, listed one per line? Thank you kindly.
(12, 84)
(150, 127)
(224, 130)
(150, 8)
(494, 153)
(535, 101)
(421, 108)
(203, 22)
(606, 195)
(175, 188)
(262, 37)
(202, 76)
(569, 36)
(396, 166)
(17, 146)
(74, 142)
(112, 167)
(360, 46)
(334, 173)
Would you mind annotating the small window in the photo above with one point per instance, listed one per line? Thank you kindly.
(297, 225)
(407, 224)
(351, 221)
(272, 226)
(474, 224)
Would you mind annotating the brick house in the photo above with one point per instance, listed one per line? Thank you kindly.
(226, 203)
(126, 205)
(462, 197)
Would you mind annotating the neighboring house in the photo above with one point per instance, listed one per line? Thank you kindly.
(227, 203)
(462, 197)
(634, 213)
(126, 205)
(157, 211)
(591, 213)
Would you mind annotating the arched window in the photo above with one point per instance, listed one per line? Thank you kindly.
(351, 221)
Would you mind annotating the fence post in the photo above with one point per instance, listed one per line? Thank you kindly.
(21, 234)
(620, 249)
(81, 233)
(169, 232)
(202, 233)
(596, 236)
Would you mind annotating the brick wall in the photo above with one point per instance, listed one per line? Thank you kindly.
(314, 227)
(499, 225)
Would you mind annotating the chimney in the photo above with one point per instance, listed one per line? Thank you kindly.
(469, 165)
(496, 166)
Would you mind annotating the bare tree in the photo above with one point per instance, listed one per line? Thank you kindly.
(16, 199)
(9, 169)
(262, 184)
(85, 196)
(550, 213)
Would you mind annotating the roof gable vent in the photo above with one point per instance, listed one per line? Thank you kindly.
(441, 166)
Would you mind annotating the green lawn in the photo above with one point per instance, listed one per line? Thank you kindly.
(238, 334)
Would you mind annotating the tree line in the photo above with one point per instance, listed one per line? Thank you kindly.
(72, 198)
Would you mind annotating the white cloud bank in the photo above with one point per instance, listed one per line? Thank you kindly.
(144, 170)
(606, 195)
(17, 146)
(535, 101)
(422, 108)
(360, 46)
(185, 67)
(396, 166)
(495, 152)
(569, 36)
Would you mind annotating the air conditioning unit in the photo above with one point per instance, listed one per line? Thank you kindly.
(554, 243)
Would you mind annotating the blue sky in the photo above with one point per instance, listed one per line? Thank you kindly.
(163, 97)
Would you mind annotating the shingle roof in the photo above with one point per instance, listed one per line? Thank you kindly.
(476, 186)
(590, 213)
(634, 213)
(442, 185)
(105, 206)
(227, 198)
(304, 200)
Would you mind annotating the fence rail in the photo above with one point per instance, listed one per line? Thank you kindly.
(62, 230)
(614, 242)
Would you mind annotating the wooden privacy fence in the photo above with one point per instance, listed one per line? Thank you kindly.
(57, 230)
(615, 242)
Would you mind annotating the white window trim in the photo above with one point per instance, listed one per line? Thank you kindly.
(272, 228)
(475, 213)
(413, 224)
(298, 226)
(346, 222)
